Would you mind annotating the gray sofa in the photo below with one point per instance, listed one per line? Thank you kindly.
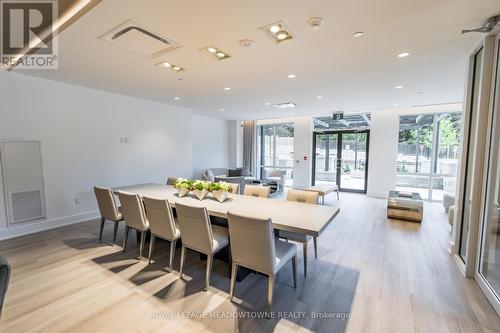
(223, 174)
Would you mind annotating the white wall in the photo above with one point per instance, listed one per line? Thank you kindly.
(235, 144)
(384, 135)
(210, 144)
(80, 131)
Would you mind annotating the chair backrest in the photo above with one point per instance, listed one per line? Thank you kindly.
(257, 191)
(274, 173)
(236, 188)
(171, 181)
(133, 211)
(309, 197)
(195, 228)
(252, 242)
(106, 203)
(160, 218)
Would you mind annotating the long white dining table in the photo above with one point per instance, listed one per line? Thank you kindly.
(303, 218)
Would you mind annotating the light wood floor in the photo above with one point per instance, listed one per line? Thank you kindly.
(390, 276)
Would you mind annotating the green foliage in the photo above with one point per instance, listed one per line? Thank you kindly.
(200, 185)
(184, 183)
(220, 186)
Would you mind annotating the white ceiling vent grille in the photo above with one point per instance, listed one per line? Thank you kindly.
(135, 37)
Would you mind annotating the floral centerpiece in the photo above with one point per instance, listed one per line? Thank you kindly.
(200, 189)
(220, 190)
(183, 186)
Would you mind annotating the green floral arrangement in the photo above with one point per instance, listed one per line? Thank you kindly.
(220, 186)
(183, 183)
(200, 185)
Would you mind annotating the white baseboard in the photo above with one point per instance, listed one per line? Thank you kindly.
(33, 227)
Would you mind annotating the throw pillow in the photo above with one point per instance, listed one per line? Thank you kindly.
(234, 173)
(210, 175)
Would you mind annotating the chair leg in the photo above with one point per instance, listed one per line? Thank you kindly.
(315, 242)
(125, 238)
(141, 245)
(210, 259)
(294, 271)
(172, 254)
(183, 258)
(338, 197)
(101, 227)
(115, 230)
(304, 247)
(151, 247)
(270, 289)
(234, 271)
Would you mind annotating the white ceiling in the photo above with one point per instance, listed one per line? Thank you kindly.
(350, 73)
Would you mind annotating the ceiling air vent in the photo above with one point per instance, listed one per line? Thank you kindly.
(135, 37)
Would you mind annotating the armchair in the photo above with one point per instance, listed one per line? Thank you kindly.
(276, 175)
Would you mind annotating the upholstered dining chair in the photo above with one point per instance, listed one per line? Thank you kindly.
(199, 235)
(257, 191)
(108, 209)
(135, 217)
(307, 197)
(253, 246)
(235, 187)
(4, 280)
(171, 181)
(162, 225)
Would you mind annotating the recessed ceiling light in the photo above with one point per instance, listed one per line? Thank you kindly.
(398, 87)
(291, 76)
(403, 55)
(221, 109)
(275, 28)
(177, 98)
(278, 31)
(396, 104)
(267, 103)
(227, 88)
(165, 64)
(358, 34)
(319, 97)
(214, 52)
(282, 35)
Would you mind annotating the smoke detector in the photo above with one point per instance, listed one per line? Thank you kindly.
(315, 22)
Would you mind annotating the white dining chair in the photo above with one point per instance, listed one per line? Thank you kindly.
(306, 197)
(107, 209)
(135, 217)
(253, 246)
(257, 191)
(199, 235)
(162, 225)
(235, 188)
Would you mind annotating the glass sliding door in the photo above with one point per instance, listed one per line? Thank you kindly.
(275, 149)
(341, 157)
(471, 139)
(489, 263)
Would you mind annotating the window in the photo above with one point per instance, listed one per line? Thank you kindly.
(275, 149)
(428, 154)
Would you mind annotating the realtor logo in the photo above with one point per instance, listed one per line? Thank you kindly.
(27, 34)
